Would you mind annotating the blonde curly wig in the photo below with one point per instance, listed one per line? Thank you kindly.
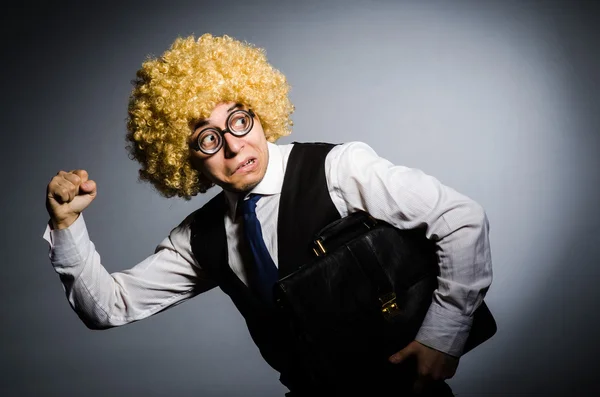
(184, 85)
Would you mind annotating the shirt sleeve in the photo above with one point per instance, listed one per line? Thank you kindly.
(102, 300)
(358, 179)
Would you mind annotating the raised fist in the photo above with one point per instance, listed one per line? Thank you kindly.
(67, 195)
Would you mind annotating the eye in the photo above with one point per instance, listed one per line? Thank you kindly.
(209, 140)
(240, 122)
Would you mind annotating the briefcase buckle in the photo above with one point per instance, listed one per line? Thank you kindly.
(319, 250)
(389, 307)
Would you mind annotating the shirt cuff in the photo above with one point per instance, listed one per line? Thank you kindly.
(67, 246)
(444, 330)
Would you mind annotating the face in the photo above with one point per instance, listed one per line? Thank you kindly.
(242, 161)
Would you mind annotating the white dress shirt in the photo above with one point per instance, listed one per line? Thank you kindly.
(357, 179)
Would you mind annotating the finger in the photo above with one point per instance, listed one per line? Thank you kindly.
(402, 355)
(65, 187)
(83, 174)
(62, 188)
(73, 178)
(60, 192)
(84, 183)
(68, 189)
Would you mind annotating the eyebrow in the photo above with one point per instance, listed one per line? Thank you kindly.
(204, 122)
(237, 105)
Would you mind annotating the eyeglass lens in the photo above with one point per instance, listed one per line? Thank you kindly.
(239, 123)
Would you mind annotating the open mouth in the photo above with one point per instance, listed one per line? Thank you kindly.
(246, 164)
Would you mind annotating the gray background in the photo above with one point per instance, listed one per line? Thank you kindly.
(496, 99)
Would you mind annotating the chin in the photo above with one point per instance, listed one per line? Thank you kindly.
(248, 184)
(243, 186)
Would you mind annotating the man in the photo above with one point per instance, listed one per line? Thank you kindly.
(206, 113)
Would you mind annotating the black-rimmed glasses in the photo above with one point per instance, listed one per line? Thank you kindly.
(210, 140)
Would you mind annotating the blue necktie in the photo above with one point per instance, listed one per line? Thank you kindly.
(264, 274)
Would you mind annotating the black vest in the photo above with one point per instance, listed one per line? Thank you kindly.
(305, 207)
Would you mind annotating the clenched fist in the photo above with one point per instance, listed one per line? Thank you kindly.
(67, 195)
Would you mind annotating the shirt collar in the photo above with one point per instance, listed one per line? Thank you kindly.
(270, 184)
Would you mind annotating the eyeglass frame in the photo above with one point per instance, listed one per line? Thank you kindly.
(196, 146)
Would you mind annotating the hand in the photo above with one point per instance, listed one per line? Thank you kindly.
(432, 365)
(67, 195)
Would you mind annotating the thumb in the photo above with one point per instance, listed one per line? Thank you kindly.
(88, 187)
(402, 355)
(87, 194)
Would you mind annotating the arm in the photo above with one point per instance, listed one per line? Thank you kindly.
(360, 180)
(102, 300)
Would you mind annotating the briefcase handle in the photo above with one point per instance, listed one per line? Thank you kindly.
(342, 230)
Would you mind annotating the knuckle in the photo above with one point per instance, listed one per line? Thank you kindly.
(424, 373)
(73, 178)
(56, 183)
(81, 173)
(62, 192)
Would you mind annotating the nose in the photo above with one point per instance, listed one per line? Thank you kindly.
(232, 144)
